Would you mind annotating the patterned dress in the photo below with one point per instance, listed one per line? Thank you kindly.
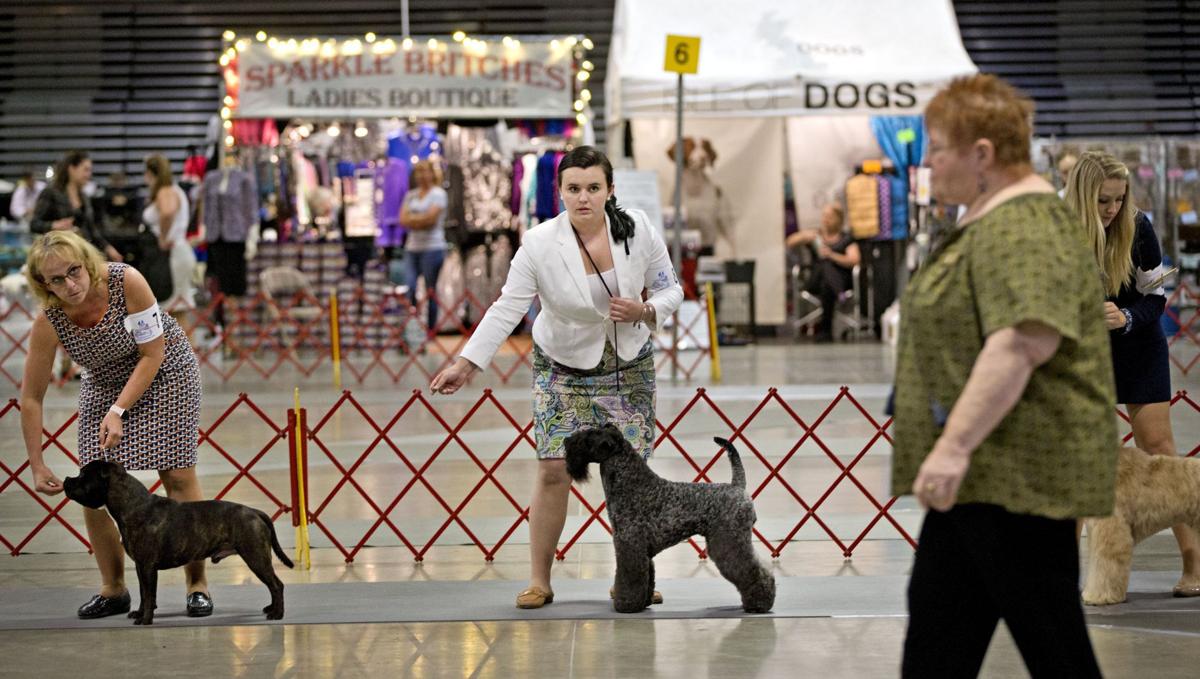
(162, 428)
(566, 400)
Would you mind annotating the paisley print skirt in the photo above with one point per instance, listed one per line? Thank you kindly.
(567, 400)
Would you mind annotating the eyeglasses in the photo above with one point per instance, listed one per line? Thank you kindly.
(74, 273)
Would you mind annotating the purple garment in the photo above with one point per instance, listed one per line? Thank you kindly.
(884, 188)
(391, 183)
(518, 169)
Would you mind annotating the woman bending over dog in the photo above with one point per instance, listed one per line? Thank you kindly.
(139, 401)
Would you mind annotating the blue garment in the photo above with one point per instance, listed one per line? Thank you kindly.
(899, 186)
(547, 187)
(427, 265)
(417, 143)
(903, 155)
(1141, 364)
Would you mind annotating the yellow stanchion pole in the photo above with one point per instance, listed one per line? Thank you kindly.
(714, 350)
(335, 338)
(303, 558)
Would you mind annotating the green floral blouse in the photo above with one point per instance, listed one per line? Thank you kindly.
(1055, 454)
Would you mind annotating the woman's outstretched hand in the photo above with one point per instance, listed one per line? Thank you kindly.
(453, 378)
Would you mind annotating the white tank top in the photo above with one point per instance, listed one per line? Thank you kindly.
(599, 294)
(179, 225)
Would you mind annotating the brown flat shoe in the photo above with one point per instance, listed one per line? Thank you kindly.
(1184, 591)
(534, 597)
(655, 599)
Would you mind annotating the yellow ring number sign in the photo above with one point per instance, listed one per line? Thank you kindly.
(683, 54)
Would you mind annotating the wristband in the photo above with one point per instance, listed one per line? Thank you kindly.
(117, 410)
(1128, 320)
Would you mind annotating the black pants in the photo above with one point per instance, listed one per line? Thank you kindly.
(828, 281)
(977, 564)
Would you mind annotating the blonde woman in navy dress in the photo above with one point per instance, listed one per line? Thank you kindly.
(1130, 260)
(139, 401)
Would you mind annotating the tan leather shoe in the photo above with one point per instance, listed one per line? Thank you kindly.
(656, 598)
(534, 597)
(1187, 590)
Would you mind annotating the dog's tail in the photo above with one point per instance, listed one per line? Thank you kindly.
(739, 473)
(275, 542)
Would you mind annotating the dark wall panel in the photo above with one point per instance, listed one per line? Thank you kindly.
(124, 79)
(1094, 67)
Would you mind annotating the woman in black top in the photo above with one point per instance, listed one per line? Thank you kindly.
(836, 256)
(1131, 269)
(62, 205)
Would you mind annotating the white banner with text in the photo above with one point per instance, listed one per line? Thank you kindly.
(449, 79)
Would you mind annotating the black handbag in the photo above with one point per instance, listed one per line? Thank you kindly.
(153, 263)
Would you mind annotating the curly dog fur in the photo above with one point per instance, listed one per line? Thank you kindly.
(1153, 492)
(650, 514)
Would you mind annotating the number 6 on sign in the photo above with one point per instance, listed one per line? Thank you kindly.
(683, 54)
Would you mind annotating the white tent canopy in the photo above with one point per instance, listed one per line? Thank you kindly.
(785, 57)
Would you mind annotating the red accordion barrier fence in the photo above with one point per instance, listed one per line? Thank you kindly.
(382, 333)
(386, 334)
(257, 468)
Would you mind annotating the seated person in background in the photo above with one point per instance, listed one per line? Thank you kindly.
(836, 256)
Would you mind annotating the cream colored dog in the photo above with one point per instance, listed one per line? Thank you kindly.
(1154, 492)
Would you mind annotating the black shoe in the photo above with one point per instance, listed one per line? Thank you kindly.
(102, 607)
(199, 605)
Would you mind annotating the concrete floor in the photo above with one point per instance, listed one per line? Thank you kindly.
(808, 376)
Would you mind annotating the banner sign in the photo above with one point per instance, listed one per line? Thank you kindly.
(431, 79)
(794, 96)
(783, 58)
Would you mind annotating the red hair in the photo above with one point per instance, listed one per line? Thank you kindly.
(983, 106)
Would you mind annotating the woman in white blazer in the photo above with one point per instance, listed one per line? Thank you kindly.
(605, 282)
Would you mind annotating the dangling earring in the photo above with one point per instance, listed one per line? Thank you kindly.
(983, 187)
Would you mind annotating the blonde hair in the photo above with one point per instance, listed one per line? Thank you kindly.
(158, 165)
(1113, 246)
(435, 177)
(67, 246)
(837, 210)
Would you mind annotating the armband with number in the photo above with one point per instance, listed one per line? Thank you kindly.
(145, 325)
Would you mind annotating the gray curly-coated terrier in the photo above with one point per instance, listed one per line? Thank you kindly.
(650, 514)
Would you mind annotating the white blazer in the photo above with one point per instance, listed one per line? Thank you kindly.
(569, 329)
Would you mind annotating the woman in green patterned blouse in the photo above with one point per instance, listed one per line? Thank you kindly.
(1003, 402)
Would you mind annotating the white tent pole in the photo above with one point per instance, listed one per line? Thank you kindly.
(404, 18)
